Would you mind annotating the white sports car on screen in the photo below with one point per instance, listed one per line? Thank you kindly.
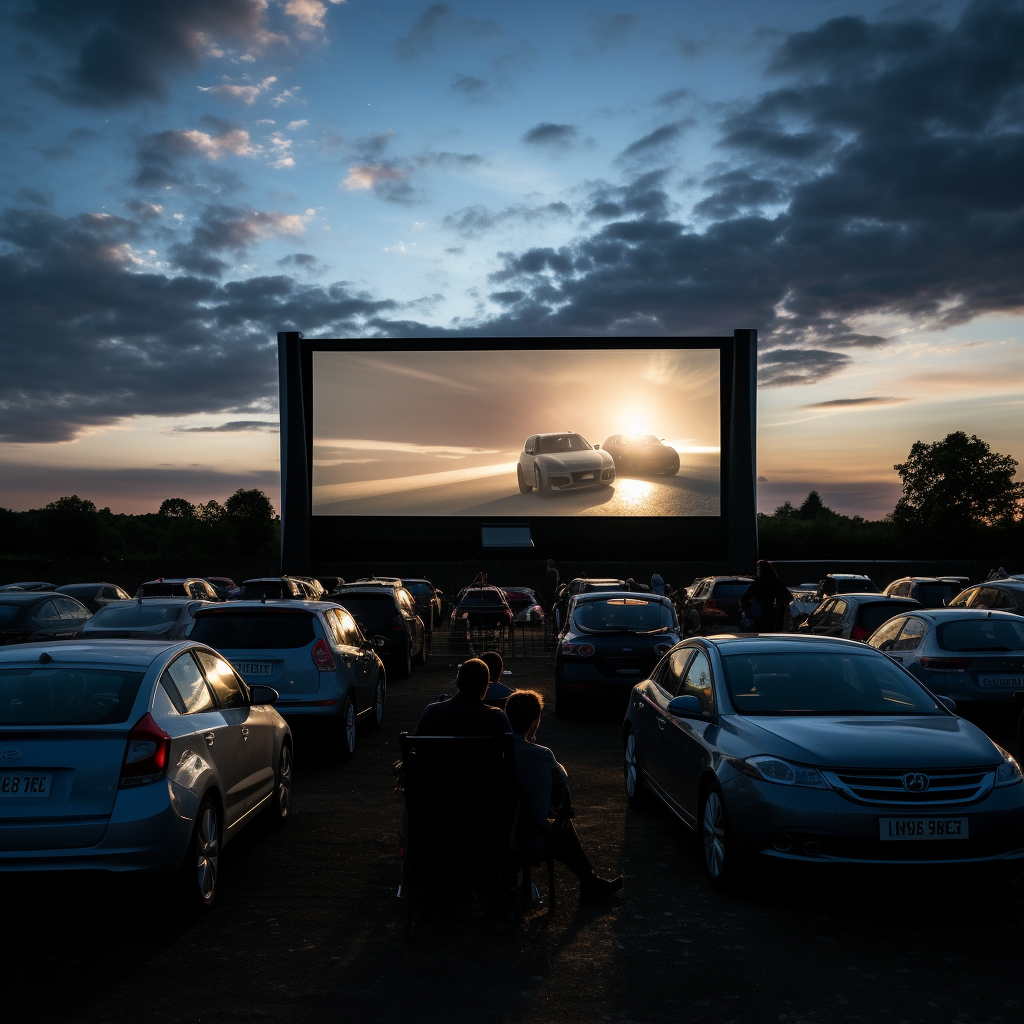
(562, 462)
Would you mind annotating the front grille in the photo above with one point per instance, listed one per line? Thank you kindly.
(886, 786)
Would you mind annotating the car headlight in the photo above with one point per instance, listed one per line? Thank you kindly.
(766, 768)
(1008, 773)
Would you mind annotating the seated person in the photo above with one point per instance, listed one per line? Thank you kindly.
(541, 776)
(465, 714)
(497, 691)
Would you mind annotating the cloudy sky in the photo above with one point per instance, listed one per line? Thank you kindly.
(184, 178)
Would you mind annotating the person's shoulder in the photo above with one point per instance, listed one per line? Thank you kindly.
(533, 751)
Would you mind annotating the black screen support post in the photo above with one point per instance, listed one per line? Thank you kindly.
(742, 460)
(295, 468)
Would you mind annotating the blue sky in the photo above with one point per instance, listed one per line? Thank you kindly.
(186, 177)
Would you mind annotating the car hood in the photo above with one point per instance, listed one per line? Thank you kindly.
(927, 741)
(575, 461)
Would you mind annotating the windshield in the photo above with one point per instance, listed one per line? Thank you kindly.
(561, 443)
(823, 683)
(253, 629)
(859, 585)
(623, 615)
(164, 590)
(66, 696)
(373, 612)
(273, 590)
(935, 595)
(982, 635)
(151, 615)
(81, 590)
(482, 597)
(420, 589)
(731, 591)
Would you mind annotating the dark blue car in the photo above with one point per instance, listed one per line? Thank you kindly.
(609, 642)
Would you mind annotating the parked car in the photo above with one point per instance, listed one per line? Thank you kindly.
(974, 656)
(314, 588)
(847, 583)
(275, 588)
(481, 608)
(311, 652)
(388, 612)
(151, 618)
(609, 642)
(427, 599)
(815, 749)
(36, 585)
(225, 587)
(127, 755)
(95, 595)
(188, 586)
(642, 455)
(31, 615)
(1005, 595)
(525, 604)
(928, 591)
(714, 604)
(854, 616)
(562, 462)
(805, 601)
(329, 583)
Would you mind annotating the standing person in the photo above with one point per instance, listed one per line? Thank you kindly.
(497, 691)
(541, 777)
(549, 588)
(765, 605)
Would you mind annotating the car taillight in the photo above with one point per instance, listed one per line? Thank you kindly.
(945, 663)
(859, 633)
(322, 657)
(583, 650)
(398, 624)
(710, 604)
(145, 759)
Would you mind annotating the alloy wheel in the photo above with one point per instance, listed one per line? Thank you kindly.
(630, 766)
(350, 726)
(284, 782)
(713, 834)
(207, 853)
(378, 702)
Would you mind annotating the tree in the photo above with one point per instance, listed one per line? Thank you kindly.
(70, 527)
(814, 508)
(957, 482)
(177, 508)
(252, 520)
(785, 511)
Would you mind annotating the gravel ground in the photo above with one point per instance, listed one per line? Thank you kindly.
(308, 928)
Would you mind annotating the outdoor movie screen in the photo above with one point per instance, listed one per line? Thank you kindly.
(598, 432)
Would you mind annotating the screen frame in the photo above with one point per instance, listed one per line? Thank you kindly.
(730, 537)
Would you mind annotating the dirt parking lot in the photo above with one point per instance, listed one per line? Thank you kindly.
(308, 927)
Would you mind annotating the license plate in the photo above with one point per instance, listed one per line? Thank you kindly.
(24, 784)
(254, 668)
(586, 476)
(922, 828)
(994, 680)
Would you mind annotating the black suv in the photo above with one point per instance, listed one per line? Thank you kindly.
(277, 588)
(187, 586)
(389, 612)
(928, 591)
(713, 604)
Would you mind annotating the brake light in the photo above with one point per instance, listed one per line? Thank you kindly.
(398, 624)
(710, 604)
(583, 650)
(145, 758)
(322, 657)
(859, 633)
(945, 663)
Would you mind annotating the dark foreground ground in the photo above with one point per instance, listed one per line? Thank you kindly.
(308, 927)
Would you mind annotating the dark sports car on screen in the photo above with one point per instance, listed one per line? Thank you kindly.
(610, 640)
(562, 462)
(644, 454)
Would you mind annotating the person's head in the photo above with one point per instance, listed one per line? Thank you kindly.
(551, 563)
(473, 678)
(765, 570)
(492, 659)
(523, 709)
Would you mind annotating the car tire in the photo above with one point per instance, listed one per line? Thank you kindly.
(281, 804)
(539, 482)
(637, 793)
(424, 656)
(524, 487)
(721, 863)
(403, 662)
(199, 871)
(345, 746)
(380, 692)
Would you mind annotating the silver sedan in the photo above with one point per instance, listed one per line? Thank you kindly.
(132, 755)
(818, 749)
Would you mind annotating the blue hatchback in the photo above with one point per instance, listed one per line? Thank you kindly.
(610, 641)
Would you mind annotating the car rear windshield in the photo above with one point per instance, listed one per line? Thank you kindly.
(825, 683)
(66, 696)
(274, 591)
(420, 589)
(9, 612)
(137, 615)
(373, 612)
(478, 598)
(730, 591)
(561, 443)
(861, 585)
(935, 595)
(81, 589)
(164, 590)
(981, 635)
(873, 615)
(254, 629)
(623, 614)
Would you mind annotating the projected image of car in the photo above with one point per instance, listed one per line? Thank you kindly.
(482, 608)
(610, 641)
(562, 462)
(642, 455)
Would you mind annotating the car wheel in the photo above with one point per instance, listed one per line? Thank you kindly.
(524, 487)
(199, 872)
(346, 735)
(405, 661)
(281, 805)
(379, 696)
(636, 791)
(424, 656)
(719, 856)
(538, 482)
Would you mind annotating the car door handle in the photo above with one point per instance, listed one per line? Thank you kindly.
(660, 721)
(209, 737)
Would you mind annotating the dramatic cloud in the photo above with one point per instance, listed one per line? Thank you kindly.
(656, 140)
(245, 93)
(117, 53)
(386, 182)
(233, 427)
(844, 403)
(473, 221)
(91, 337)
(439, 25)
(560, 136)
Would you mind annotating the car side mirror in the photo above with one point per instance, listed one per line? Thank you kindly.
(378, 641)
(948, 703)
(260, 694)
(686, 706)
(597, 447)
